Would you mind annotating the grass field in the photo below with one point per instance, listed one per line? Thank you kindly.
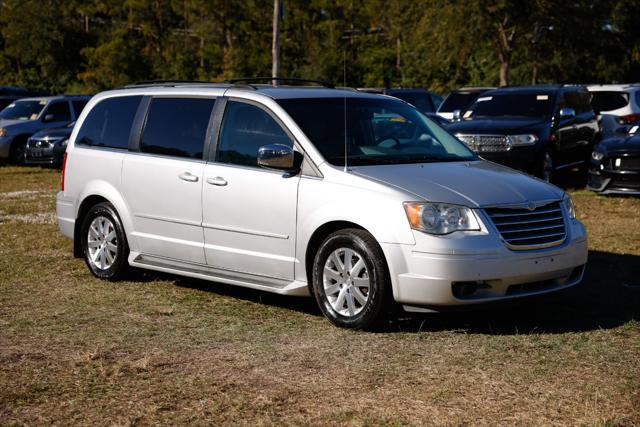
(169, 350)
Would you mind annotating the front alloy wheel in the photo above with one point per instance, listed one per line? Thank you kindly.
(346, 282)
(351, 280)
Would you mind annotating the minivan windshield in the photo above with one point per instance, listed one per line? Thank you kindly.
(22, 110)
(513, 104)
(378, 131)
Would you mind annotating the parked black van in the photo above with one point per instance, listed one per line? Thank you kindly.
(537, 129)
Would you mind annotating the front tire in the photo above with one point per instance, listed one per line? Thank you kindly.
(17, 151)
(351, 281)
(104, 243)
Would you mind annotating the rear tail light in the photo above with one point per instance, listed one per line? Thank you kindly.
(64, 166)
(628, 119)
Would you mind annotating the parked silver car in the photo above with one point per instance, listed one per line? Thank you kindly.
(355, 198)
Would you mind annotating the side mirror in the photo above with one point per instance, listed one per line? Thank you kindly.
(567, 113)
(278, 157)
(48, 118)
(457, 115)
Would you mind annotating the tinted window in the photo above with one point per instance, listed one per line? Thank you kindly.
(606, 101)
(457, 101)
(109, 122)
(59, 111)
(436, 100)
(245, 129)
(420, 100)
(78, 106)
(378, 132)
(579, 101)
(513, 104)
(177, 126)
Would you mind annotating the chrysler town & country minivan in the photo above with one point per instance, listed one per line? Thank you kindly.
(354, 198)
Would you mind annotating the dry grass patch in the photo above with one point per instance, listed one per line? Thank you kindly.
(166, 350)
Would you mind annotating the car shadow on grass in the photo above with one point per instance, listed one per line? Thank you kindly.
(608, 297)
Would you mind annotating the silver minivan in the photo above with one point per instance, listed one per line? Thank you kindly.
(354, 198)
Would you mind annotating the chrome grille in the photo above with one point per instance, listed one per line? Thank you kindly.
(485, 143)
(629, 163)
(522, 228)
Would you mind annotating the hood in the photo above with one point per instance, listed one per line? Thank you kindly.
(11, 125)
(631, 143)
(55, 133)
(499, 126)
(474, 184)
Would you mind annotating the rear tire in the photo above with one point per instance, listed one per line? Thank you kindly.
(104, 243)
(351, 280)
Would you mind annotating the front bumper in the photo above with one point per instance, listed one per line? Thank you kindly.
(478, 268)
(43, 152)
(606, 181)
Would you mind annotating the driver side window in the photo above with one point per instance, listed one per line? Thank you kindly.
(58, 112)
(246, 128)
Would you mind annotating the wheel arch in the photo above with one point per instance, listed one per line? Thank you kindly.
(98, 192)
(86, 204)
(316, 239)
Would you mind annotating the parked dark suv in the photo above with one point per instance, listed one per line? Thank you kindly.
(458, 101)
(426, 102)
(537, 129)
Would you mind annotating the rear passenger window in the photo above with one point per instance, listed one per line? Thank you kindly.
(245, 129)
(177, 127)
(109, 123)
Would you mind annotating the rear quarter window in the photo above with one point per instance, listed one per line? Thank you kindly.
(603, 101)
(108, 124)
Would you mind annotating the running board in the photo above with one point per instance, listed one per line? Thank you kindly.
(205, 272)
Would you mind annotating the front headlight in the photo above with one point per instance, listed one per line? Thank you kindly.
(520, 140)
(596, 155)
(440, 218)
(3, 132)
(569, 206)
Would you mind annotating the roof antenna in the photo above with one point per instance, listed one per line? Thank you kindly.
(344, 84)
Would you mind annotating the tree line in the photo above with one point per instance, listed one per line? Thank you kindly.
(90, 45)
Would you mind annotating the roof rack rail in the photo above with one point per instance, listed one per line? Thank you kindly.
(167, 83)
(248, 80)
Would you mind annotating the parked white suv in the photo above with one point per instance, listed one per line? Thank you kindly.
(617, 107)
(355, 198)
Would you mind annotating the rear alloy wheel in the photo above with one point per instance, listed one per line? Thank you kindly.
(104, 243)
(350, 280)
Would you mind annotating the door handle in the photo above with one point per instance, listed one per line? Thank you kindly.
(218, 180)
(186, 176)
